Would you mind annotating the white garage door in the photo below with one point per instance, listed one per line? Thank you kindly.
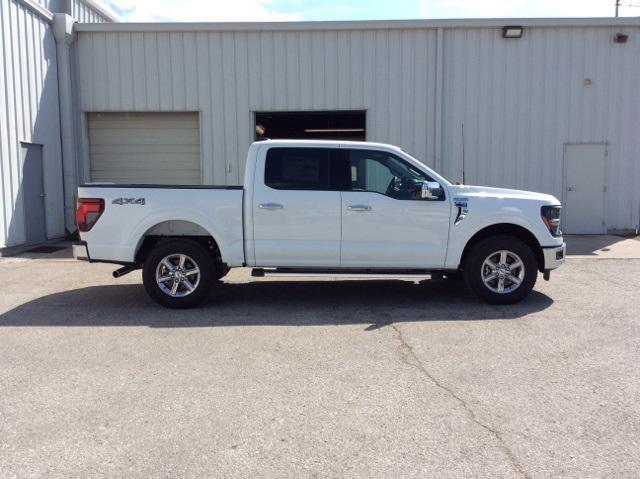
(145, 148)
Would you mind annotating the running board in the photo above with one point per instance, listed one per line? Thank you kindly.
(341, 273)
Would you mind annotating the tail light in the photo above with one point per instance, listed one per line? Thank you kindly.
(88, 212)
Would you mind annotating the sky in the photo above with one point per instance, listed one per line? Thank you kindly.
(291, 10)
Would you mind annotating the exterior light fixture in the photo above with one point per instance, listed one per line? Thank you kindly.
(620, 38)
(512, 32)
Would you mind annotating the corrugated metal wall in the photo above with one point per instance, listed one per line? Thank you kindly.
(84, 13)
(227, 76)
(29, 110)
(520, 100)
(28, 113)
(81, 10)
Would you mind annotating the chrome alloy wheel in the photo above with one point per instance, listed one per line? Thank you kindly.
(177, 275)
(502, 272)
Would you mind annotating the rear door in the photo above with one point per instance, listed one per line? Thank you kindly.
(296, 218)
(385, 222)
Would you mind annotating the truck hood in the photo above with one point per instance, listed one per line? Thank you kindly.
(469, 191)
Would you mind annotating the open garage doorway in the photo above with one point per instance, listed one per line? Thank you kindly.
(311, 125)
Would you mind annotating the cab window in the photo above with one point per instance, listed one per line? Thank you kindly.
(384, 173)
(297, 169)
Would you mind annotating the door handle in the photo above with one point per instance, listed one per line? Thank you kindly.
(359, 208)
(569, 188)
(270, 206)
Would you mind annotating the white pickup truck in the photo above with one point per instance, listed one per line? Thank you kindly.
(322, 208)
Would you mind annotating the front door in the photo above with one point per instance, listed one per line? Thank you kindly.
(33, 184)
(385, 222)
(296, 218)
(584, 189)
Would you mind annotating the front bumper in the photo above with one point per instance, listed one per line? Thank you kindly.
(80, 251)
(554, 256)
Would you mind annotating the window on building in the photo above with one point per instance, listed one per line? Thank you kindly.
(311, 125)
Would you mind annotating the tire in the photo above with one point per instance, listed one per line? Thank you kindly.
(492, 267)
(185, 286)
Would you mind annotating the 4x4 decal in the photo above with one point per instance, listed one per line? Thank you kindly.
(128, 201)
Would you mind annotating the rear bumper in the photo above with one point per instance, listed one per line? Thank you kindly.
(554, 256)
(80, 251)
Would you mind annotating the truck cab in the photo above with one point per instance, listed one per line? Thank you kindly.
(320, 208)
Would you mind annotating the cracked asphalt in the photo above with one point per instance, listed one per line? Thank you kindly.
(311, 378)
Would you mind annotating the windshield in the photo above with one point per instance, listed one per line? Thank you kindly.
(427, 170)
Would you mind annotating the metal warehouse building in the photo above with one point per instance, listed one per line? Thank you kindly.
(35, 74)
(553, 107)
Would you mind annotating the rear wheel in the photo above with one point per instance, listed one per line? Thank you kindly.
(178, 273)
(501, 270)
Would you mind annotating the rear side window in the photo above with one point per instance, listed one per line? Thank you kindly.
(297, 169)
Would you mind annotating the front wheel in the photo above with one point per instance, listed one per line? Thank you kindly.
(501, 270)
(178, 273)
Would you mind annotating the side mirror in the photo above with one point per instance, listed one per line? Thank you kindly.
(431, 190)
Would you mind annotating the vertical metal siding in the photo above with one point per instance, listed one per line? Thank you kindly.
(519, 100)
(78, 9)
(84, 13)
(522, 100)
(28, 113)
(230, 75)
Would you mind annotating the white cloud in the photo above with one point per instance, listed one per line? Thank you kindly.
(198, 11)
(517, 8)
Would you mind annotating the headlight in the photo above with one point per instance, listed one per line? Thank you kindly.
(551, 218)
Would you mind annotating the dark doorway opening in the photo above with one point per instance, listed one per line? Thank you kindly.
(312, 125)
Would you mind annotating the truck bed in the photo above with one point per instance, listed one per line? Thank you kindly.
(132, 212)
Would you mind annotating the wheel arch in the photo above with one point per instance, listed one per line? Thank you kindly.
(505, 229)
(176, 229)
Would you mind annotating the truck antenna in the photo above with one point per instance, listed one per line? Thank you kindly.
(463, 169)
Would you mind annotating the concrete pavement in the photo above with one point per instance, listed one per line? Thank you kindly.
(603, 246)
(318, 378)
